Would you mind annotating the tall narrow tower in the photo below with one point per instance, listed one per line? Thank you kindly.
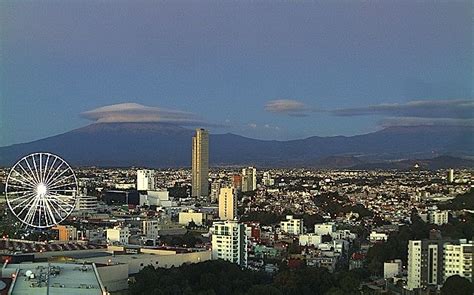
(200, 164)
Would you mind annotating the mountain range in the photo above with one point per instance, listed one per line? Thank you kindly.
(165, 145)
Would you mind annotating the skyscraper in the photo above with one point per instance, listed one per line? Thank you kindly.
(200, 164)
(227, 203)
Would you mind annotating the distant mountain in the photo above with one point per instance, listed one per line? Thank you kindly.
(162, 145)
(442, 162)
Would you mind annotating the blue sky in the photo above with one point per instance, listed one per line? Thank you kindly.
(264, 69)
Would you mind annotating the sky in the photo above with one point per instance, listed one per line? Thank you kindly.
(263, 69)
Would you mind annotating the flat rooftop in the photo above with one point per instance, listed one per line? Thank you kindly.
(54, 278)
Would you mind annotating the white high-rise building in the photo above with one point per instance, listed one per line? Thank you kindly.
(458, 260)
(291, 225)
(228, 203)
(145, 180)
(414, 265)
(229, 242)
(200, 164)
(249, 179)
(451, 175)
(425, 263)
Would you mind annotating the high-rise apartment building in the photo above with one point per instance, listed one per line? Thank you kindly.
(431, 262)
(227, 203)
(215, 191)
(145, 180)
(237, 181)
(229, 242)
(200, 164)
(425, 263)
(458, 260)
(249, 179)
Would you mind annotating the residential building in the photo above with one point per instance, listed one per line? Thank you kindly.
(458, 259)
(327, 228)
(185, 217)
(291, 225)
(66, 232)
(237, 181)
(377, 237)
(267, 179)
(438, 217)
(87, 203)
(159, 198)
(310, 240)
(215, 191)
(249, 179)
(150, 228)
(229, 242)
(451, 175)
(392, 268)
(425, 263)
(145, 180)
(227, 203)
(118, 235)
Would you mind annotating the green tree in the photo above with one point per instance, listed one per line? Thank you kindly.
(456, 285)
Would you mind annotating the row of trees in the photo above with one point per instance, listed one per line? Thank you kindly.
(221, 277)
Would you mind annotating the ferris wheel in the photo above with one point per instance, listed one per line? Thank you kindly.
(41, 190)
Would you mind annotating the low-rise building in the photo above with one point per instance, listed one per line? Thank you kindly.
(118, 235)
(325, 228)
(392, 268)
(310, 240)
(292, 225)
(185, 217)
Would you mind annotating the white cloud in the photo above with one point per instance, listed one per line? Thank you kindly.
(134, 112)
(287, 106)
(448, 108)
